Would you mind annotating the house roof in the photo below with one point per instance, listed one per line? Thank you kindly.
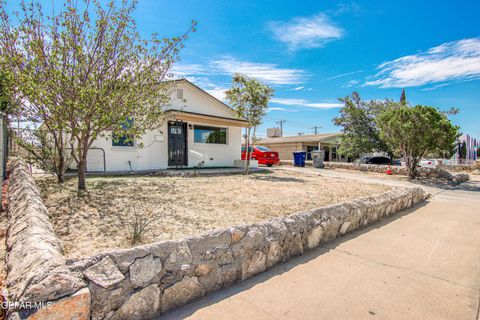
(203, 92)
(323, 137)
(193, 116)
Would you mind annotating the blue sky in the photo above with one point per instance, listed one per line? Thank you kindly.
(312, 52)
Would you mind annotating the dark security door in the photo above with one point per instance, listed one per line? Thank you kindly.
(177, 144)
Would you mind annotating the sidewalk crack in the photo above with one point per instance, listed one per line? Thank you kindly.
(406, 269)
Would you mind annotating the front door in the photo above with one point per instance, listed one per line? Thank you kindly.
(177, 144)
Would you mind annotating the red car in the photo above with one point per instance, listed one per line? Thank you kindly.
(263, 155)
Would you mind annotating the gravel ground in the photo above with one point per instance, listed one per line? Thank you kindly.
(181, 206)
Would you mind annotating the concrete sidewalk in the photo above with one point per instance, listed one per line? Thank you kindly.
(423, 263)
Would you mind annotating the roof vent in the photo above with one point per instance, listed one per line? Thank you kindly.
(179, 93)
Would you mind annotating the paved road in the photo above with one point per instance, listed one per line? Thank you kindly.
(423, 263)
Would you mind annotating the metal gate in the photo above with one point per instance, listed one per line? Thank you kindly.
(96, 160)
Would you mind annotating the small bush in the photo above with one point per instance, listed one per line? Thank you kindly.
(138, 220)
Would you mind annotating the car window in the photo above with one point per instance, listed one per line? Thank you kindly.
(264, 149)
(379, 160)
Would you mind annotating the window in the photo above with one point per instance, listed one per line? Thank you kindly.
(124, 140)
(264, 149)
(179, 93)
(205, 134)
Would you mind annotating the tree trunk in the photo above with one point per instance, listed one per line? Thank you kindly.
(412, 165)
(82, 168)
(247, 158)
(82, 164)
(61, 168)
(61, 160)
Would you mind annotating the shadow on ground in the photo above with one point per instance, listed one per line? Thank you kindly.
(276, 179)
(444, 185)
(213, 298)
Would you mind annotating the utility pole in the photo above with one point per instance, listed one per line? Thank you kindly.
(316, 128)
(281, 122)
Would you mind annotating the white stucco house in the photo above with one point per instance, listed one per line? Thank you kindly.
(201, 131)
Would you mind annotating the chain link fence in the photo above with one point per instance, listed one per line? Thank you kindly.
(96, 160)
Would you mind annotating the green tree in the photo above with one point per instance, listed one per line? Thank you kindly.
(403, 98)
(358, 119)
(42, 151)
(84, 70)
(7, 97)
(416, 131)
(249, 98)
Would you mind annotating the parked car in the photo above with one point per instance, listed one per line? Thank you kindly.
(374, 160)
(263, 155)
(428, 163)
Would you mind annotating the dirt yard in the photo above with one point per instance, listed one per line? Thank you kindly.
(181, 206)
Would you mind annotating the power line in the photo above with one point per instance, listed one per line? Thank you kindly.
(281, 122)
(293, 123)
(315, 128)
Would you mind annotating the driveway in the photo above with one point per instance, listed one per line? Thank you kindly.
(423, 263)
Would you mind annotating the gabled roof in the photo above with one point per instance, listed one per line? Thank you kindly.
(191, 84)
(323, 137)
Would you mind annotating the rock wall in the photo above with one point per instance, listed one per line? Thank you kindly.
(144, 281)
(36, 269)
(459, 167)
(436, 173)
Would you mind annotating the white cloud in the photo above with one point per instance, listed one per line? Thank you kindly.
(351, 83)
(306, 103)
(182, 70)
(451, 61)
(218, 93)
(435, 87)
(344, 75)
(298, 88)
(306, 32)
(282, 109)
(267, 72)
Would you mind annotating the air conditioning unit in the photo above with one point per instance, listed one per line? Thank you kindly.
(273, 133)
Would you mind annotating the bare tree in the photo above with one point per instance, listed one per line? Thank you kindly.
(86, 71)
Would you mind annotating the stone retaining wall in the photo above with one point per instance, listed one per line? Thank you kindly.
(436, 173)
(152, 279)
(144, 281)
(460, 167)
(36, 269)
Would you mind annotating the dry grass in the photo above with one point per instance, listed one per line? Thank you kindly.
(184, 205)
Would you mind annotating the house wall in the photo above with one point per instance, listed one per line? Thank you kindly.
(153, 155)
(285, 150)
(197, 101)
(215, 155)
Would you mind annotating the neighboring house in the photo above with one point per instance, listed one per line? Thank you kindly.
(285, 146)
(466, 151)
(202, 131)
